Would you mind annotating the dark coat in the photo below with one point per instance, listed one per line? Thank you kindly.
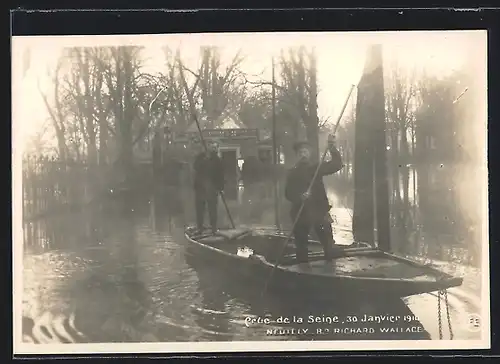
(298, 180)
(208, 173)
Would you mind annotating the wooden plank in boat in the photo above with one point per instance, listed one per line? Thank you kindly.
(236, 233)
(208, 239)
(365, 266)
(314, 268)
(223, 235)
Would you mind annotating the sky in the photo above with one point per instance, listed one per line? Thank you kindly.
(340, 60)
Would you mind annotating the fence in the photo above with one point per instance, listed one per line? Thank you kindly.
(51, 185)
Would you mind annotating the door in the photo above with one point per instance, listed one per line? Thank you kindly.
(230, 162)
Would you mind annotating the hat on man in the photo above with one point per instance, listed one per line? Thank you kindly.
(300, 144)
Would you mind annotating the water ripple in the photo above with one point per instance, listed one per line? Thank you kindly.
(129, 280)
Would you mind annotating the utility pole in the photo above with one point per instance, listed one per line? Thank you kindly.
(275, 153)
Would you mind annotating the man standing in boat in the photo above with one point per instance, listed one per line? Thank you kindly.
(316, 205)
(208, 183)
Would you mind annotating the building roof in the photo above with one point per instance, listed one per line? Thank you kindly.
(226, 122)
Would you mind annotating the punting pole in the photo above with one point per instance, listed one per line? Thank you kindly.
(308, 190)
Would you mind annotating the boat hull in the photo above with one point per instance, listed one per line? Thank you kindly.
(292, 281)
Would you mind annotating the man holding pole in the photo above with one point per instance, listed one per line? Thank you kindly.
(305, 190)
(208, 184)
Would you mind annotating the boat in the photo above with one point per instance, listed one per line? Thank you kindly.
(365, 268)
(356, 270)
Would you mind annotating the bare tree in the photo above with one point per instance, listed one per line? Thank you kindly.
(57, 109)
(400, 115)
(345, 140)
(121, 69)
(299, 74)
(38, 145)
(256, 109)
(177, 96)
(83, 85)
(220, 90)
(102, 102)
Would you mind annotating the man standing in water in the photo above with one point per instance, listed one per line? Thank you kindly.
(208, 183)
(316, 205)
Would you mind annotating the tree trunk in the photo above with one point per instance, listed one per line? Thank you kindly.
(313, 139)
(128, 117)
(61, 145)
(103, 141)
(404, 151)
(413, 168)
(92, 149)
(396, 195)
(312, 122)
(126, 151)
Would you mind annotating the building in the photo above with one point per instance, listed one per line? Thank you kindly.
(236, 144)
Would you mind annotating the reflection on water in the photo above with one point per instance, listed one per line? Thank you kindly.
(436, 211)
(126, 276)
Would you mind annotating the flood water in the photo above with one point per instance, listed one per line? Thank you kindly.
(123, 274)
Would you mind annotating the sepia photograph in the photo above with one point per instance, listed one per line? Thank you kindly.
(238, 192)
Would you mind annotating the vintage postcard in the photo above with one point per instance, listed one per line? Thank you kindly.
(250, 192)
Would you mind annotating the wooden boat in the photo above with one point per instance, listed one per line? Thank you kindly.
(356, 270)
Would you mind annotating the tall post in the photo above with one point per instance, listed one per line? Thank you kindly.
(275, 153)
(363, 223)
(382, 211)
(371, 191)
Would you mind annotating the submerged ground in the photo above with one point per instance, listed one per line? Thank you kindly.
(103, 275)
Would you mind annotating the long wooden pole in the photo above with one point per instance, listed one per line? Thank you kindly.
(308, 190)
(275, 153)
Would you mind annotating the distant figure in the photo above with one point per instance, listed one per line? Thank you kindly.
(251, 176)
(208, 183)
(266, 180)
(316, 205)
(250, 171)
(173, 171)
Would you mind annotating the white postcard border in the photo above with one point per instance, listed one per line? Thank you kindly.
(18, 43)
